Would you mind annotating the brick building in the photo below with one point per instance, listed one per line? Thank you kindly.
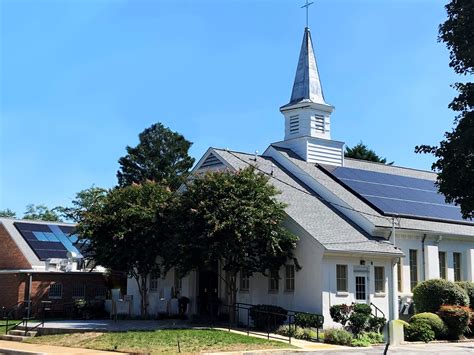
(43, 261)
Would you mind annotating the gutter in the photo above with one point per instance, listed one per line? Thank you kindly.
(423, 255)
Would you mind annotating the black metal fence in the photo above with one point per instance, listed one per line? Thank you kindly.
(24, 310)
(239, 316)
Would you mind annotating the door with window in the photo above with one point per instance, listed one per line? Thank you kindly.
(361, 294)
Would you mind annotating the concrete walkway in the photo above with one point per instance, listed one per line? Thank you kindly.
(13, 347)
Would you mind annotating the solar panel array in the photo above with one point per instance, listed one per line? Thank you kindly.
(401, 195)
(49, 240)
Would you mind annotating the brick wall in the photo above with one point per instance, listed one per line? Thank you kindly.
(12, 289)
(10, 255)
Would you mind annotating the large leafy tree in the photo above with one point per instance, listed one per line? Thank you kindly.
(232, 218)
(126, 228)
(7, 213)
(455, 153)
(161, 156)
(41, 213)
(362, 152)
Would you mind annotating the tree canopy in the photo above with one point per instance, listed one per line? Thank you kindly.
(8, 213)
(161, 156)
(362, 152)
(455, 153)
(126, 228)
(233, 218)
(41, 213)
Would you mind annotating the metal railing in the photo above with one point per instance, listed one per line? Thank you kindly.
(246, 311)
(25, 307)
(377, 310)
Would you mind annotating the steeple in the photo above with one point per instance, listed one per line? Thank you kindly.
(307, 85)
(308, 115)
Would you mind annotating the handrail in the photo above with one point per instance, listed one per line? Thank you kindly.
(377, 309)
(289, 314)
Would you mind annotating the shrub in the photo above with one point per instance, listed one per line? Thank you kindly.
(434, 321)
(263, 320)
(367, 339)
(362, 308)
(419, 331)
(338, 336)
(358, 322)
(340, 313)
(376, 324)
(429, 295)
(296, 332)
(469, 288)
(308, 320)
(456, 318)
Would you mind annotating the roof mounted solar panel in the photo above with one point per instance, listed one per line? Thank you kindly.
(400, 195)
(49, 240)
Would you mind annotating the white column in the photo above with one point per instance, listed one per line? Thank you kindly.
(431, 262)
(470, 264)
(393, 291)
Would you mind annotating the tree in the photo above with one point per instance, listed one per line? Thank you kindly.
(232, 218)
(41, 213)
(85, 202)
(362, 152)
(126, 228)
(8, 213)
(161, 156)
(455, 153)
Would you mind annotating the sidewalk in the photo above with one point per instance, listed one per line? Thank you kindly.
(24, 348)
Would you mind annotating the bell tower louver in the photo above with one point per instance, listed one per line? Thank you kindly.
(308, 115)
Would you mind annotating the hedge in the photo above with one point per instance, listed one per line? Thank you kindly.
(456, 318)
(433, 321)
(430, 295)
(268, 321)
(469, 288)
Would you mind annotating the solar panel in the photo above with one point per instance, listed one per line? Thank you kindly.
(401, 195)
(48, 240)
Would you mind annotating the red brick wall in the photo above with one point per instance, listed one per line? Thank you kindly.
(12, 289)
(41, 282)
(10, 255)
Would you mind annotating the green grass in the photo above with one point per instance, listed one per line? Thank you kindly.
(11, 323)
(162, 341)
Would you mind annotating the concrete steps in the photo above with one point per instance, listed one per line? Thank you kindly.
(18, 335)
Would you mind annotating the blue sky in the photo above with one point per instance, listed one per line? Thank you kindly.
(81, 78)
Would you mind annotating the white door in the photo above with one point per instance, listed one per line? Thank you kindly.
(361, 288)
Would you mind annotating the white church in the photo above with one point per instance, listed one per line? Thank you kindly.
(368, 232)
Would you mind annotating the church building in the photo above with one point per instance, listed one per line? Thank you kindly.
(368, 232)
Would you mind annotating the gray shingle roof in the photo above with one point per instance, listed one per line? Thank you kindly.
(323, 222)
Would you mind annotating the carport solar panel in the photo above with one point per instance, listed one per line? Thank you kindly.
(48, 240)
(401, 195)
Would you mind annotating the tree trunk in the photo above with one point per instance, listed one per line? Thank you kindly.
(143, 290)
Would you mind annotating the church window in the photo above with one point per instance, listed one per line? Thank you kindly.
(379, 278)
(244, 281)
(289, 278)
(400, 275)
(413, 268)
(442, 265)
(341, 278)
(274, 280)
(294, 124)
(457, 266)
(154, 283)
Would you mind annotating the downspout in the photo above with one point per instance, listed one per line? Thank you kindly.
(423, 255)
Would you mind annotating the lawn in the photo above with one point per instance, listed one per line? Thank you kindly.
(11, 323)
(162, 341)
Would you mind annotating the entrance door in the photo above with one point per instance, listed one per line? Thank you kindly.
(360, 288)
(207, 291)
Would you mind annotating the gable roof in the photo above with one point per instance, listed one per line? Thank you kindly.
(325, 224)
(369, 211)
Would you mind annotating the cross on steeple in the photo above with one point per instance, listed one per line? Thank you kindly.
(307, 5)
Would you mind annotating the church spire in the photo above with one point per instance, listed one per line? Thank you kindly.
(307, 85)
